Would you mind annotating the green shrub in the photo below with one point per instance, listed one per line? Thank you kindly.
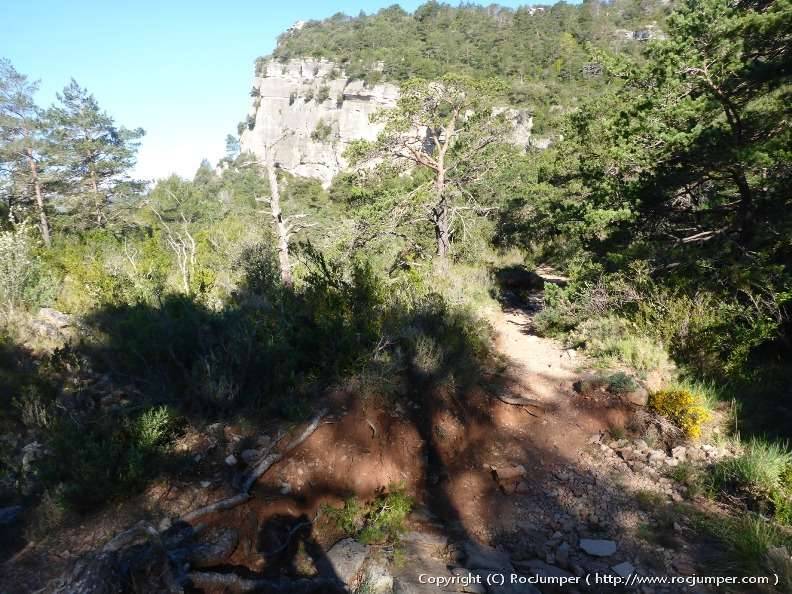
(614, 341)
(760, 471)
(378, 521)
(690, 476)
(95, 461)
(323, 94)
(322, 132)
(621, 383)
(750, 538)
(17, 268)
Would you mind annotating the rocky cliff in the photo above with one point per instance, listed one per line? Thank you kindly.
(308, 112)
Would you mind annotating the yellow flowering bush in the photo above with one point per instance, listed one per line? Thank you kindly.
(682, 408)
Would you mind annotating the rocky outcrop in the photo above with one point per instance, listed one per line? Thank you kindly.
(309, 112)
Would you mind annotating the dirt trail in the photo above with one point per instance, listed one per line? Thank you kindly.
(543, 370)
(545, 367)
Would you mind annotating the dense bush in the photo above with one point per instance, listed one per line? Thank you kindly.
(107, 457)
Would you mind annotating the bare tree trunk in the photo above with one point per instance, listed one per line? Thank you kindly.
(281, 227)
(97, 199)
(442, 228)
(43, 221)
(440, 216)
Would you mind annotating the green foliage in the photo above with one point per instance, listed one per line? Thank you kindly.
(621, 383)
(748, 538)
(467, 139)
(673, 181)
(109, 457)
(379, 521)
(322, 132)
(17, 268)
(759, 473)
(323, 94)
(92, 154)
(541, 54)
(614, 341)
(689, 475)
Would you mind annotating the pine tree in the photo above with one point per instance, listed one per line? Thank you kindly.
(93, 154)
(447, 128)
(21, 143)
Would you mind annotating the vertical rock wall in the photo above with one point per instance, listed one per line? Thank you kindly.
(309, 112)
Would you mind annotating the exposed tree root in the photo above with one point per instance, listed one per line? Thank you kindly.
(237, 584)
(217, 506)
(522, 401)
(142, 558)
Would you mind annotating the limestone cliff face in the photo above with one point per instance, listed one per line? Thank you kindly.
(309, 112)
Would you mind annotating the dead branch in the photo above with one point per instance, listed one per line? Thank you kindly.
(141, 530)
(274, 457)
(221, 505)
(263, 466)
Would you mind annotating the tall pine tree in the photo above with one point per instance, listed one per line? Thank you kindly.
(94, 155)
(22, 144)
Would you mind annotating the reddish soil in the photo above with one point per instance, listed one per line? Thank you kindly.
(442, 449)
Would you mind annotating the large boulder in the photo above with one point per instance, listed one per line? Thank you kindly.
(347, 558)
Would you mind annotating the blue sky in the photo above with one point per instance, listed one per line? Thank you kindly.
(181, 70)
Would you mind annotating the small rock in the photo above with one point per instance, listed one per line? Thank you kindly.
(285, 488)
(598, 548)
(624, 569)
(215, 430)
(562, 555)
(205, 484)
(510, 472)
(31, 453)
(250, 456)
(679, 453)
(231, 460)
